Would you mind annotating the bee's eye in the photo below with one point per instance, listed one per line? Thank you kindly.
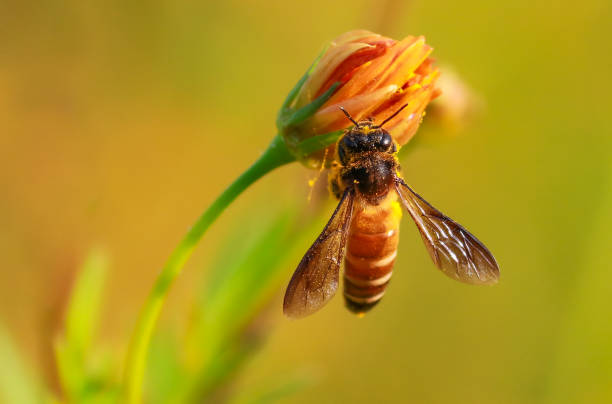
(346, 147)
(341, 154)
(386, 142)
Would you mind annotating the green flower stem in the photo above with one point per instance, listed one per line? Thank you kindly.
(275, 156)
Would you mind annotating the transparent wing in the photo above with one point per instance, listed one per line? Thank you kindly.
(316, 278)
(452, 248)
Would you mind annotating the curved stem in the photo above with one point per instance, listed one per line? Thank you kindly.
(275, 156)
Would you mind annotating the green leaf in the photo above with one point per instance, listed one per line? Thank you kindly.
(17, 382)
(300, 115)
(237, 291)
(85, 301)
(222, 369)
(72, 348)
(317, 143)
(298, 86)
(224, 331)
(165, 371)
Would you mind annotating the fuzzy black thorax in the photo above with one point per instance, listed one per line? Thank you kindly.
(366, 161)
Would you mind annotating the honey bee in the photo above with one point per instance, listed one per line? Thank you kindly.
(365, 178)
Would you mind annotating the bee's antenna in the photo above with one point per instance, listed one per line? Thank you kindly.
(392, 116)
(348, 116)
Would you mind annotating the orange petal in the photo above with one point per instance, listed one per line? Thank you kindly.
(358, 35)
(330, 118)
(367, 76)
(406, 63)
(334, 56)
(405, 125)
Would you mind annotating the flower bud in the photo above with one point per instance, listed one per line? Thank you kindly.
(459, 104)
(371, 76)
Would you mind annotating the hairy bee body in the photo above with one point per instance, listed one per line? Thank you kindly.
(366, 161)
(364, 230)
(371, 251)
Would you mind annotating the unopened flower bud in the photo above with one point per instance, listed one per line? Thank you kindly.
(369, 75)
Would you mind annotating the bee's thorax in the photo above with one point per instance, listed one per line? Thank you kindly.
(372, 174)
(366, 161)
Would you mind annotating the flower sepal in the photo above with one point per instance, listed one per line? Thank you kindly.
(290, 117)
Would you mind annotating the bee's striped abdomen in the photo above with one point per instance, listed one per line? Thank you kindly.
(371, 252)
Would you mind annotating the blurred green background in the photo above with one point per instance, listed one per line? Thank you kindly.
(121, 122)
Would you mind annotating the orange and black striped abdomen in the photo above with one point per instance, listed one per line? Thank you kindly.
(371, 252)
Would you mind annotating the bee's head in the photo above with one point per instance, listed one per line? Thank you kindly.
(365, 136)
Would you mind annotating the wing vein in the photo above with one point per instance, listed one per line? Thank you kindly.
(315, 280)
(453, 249)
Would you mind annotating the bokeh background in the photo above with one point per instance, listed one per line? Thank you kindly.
(120, 123)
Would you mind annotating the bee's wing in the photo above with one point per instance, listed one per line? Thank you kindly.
(452, 248)
(316, 278)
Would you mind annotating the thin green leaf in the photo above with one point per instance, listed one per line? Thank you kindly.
(72, 348)
(222, 368)
(308, 110)
(165, 371)
(298, 86)
(17, 382)
(317, 143)
(239, 288)
(85, 302)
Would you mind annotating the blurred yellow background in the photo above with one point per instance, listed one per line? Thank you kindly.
(120, 123)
